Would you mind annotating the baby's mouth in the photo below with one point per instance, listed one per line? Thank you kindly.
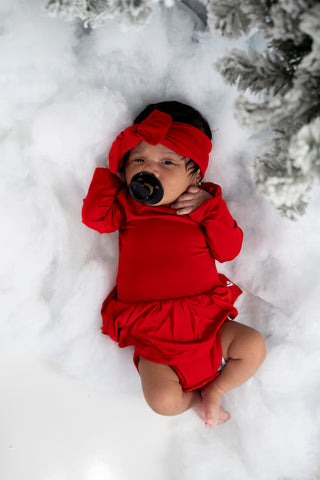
(146, 188)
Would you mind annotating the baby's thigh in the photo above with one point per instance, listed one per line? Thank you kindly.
(156, 375)
(238, 340)
(160, 383)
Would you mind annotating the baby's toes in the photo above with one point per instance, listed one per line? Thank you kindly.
(216, 417)
(223, 416)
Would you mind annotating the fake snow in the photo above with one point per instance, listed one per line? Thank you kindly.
(72, 406)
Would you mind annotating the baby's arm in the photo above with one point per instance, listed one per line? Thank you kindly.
(101, 210)
(223, 235)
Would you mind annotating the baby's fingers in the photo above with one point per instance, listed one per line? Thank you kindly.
(183, 202)
(185, 210)
(188, 196)
(188, 201)
(193, 189)
(185, 197)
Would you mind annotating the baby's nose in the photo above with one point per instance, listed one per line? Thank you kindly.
(152, 168)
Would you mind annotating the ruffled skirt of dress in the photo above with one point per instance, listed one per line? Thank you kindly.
(181, 332)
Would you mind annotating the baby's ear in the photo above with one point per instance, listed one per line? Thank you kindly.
(198, 177)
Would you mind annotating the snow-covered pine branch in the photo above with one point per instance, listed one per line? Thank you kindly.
(286, 79)
(255, 71)
(95, 12)
(232, 18)
(288, 176)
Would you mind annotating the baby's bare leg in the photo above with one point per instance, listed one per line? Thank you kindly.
(244, 349)
(162, 390)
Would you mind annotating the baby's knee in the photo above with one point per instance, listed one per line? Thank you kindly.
(163, 401)
(258, 346)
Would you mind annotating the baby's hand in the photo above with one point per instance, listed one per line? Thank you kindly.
(190, 200)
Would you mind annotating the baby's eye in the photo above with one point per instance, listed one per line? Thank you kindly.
(139, 160)
(168, 162)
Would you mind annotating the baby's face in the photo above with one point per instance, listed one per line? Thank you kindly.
(166, 165)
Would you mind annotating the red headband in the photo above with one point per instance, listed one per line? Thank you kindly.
(158, 127)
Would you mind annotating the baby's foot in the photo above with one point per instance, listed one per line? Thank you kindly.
(214, 417)
(213, 414)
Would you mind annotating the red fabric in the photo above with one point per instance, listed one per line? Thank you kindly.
(169, 301)
(158, 127)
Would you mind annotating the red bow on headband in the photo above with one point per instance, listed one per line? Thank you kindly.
(158, 127)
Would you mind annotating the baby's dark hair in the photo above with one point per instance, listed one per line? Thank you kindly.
(180, 112)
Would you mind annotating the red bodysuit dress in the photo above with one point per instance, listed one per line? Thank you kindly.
(169, 300)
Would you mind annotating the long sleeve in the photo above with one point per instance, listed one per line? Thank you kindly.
(101, 210)
(223, 235)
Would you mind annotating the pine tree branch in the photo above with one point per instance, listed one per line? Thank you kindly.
(256, 71)
(95, 12)
(286, 80)
(232, 18)
(227, 19)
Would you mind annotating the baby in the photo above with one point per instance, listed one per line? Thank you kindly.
(169, 300)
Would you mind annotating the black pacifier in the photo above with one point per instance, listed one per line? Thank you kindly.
(146, 188)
